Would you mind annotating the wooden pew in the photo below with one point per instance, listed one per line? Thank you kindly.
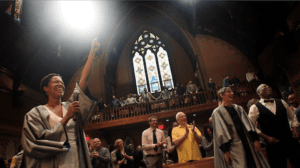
(203, 163)
(206, 163)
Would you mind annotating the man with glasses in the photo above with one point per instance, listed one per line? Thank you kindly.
(153, 141)
(276, 119)
(186, 139)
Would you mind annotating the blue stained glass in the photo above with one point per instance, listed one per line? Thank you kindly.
(18, 10)
(152, 70)
(164, 67)
(140, 70)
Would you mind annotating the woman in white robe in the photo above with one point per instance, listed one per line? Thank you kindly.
(51, 137)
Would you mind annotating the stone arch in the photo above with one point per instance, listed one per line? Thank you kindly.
(126, 29)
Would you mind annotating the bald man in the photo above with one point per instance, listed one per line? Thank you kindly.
(274, 116)
(186, 138)
(100, 156)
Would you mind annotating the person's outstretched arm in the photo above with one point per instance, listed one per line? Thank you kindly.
(87, 68)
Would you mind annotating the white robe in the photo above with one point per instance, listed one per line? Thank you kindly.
(44, 142)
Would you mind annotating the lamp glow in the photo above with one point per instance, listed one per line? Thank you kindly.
(78, 14)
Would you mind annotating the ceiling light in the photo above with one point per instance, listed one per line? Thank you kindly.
(78, 14)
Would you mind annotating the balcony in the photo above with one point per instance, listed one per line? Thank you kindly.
(192, 103)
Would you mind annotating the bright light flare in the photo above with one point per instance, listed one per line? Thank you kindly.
(79, 15)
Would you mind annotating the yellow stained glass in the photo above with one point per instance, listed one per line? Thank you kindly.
(18, 9)
(140, 38)
(148, 46)
(157, 76)
(152, 35)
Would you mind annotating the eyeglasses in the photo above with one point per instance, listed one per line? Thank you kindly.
(229, 91)
(153, 120)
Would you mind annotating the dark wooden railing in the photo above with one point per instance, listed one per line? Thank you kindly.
(140, 109)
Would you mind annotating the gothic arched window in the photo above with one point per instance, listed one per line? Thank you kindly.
(18, 10)
(151, 64)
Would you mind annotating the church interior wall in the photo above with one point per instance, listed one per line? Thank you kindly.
(220, 58)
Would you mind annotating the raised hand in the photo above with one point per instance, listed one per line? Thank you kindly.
(257, 146)
(193, 126)
(187, 128)
(95, 46)
(158, 144)
(95, 154)
(73, 109)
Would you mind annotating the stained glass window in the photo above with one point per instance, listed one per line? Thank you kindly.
(8, 10)
(151, 63)
(18, 10)
(164, 67)
(152, 72)
(139, 71)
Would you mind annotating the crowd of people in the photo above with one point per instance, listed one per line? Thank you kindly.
(232, 136)
(178, 90)
(146, 97)
(53, 136)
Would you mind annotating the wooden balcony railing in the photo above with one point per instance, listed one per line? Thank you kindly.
(172, 104)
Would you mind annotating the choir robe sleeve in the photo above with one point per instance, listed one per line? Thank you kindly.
(39, 140)
(222, 135)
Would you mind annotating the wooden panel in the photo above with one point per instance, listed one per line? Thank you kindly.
(203, 163)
